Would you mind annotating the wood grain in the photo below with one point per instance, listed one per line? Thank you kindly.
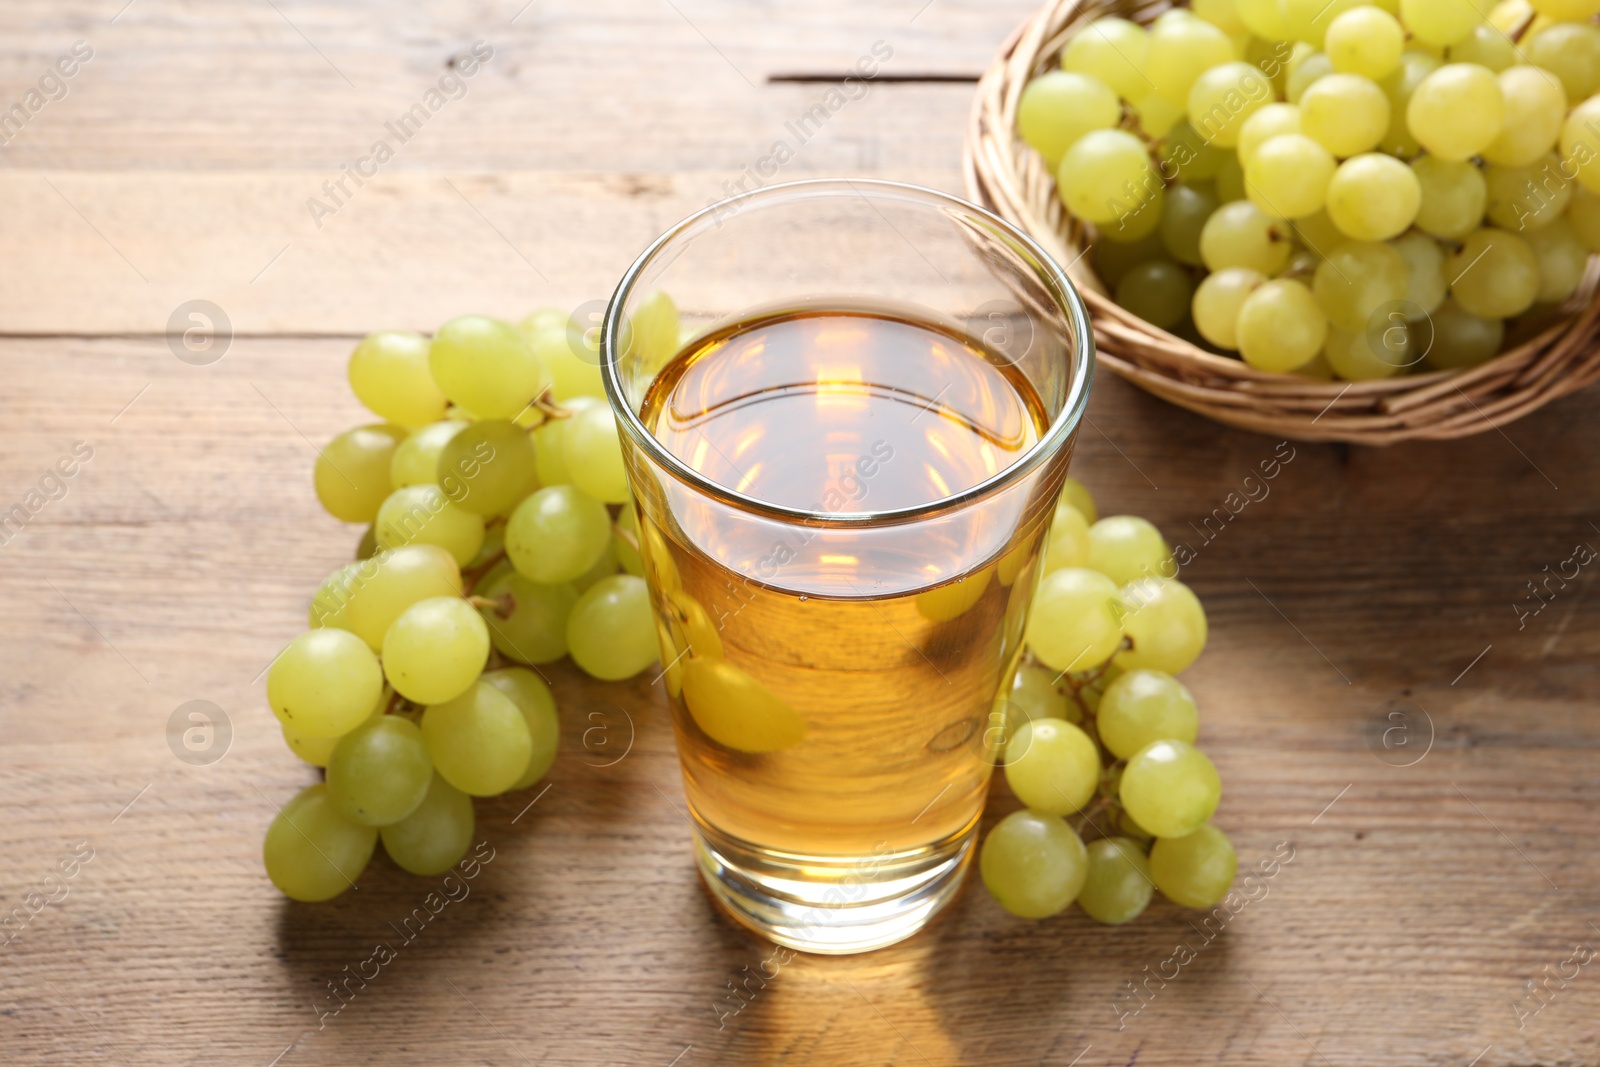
(181, 557)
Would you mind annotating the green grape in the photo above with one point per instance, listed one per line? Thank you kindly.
(352, 472)
(389, 374)
(330, 604)
(416, 459)
(1461, 339)
(1318, 233)
(573, 362)
(1222, 98)
(1440, 22)
(1526, 198)
(313, 853)
(1052, 766)
(1230, 180)
(1535, 106)
(1487, 47)
(392, 581)
(1142, 218)
(1239, 234)
(1188, 156)
(735, 710)
(485, 366)
(1366, 41)
(1356, 279)
(1457, 110)
(1113, 259)
(1180, 50)
(1157, 291)
(434, 837)
(435, 650)
(627, 555)
(423, 515)
(534, 626)
(1223, 14)
(604, 567)
(317, 750)
(1125, 547)
(1034, 692)
(1310, 20)
(538, 706)
(1170, 788)
(1280, 326)
(1074, 621)
(1425, 281)
(1265, 124)
(1186, 211)
(1453, 196)
(592, 455)
(1345, 113)
(611, 632)
(548, 463)
(1060, 106)
(1272, 58)
(656, 330)
(1304, 73)
(1143, 706)
(1217, 302)
(324, 683)
(1562, 260)
(1398, 87)
(1373, 197)
(1570, 51)
(379, 772)
(1580, 143)
(1493, 275)
(1068, 545)
(1195, 870)
(1033, 864)
(1355, 358)
(1112, 51)
(487, 467)
(1287, 177)
(367, 547)
(1117, 887)
(1583, 213)
(479, 740)
(1156, 117)
(1567, 9)
(1075, 494)
(1098, 172)
(1264, 19)
(1165, 623)
(953, 599)
(557, 534)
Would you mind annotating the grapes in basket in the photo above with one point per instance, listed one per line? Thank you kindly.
(1331, 188)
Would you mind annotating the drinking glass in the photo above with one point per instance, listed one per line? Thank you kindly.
(837, 667)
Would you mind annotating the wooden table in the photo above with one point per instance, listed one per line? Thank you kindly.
(1371, 590)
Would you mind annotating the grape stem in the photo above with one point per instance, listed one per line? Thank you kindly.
(1522, 26)
(547, 406)
(472, 576)
(502, 606)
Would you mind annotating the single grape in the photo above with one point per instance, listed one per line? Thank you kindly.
(1583, 214)
(1440, 22)
(1188, 156)
(1180, 51)
(1280, 326)
(1223, 14)
(1141, 218)
(1033, 864)
(737, 711)
(392, 581)
(1461, 339)
(313, 853)
(1373, 197)
(1570, 51)
(1156, 117)
(1355, 357)
(379, 772)
(1157, 291)
(548, 462)
(952, 599)
(572, 358)
(1185, 213)
(557, 534)
(485, 366)
(1068, 545)
(1270, 121)
(538, 706)
(1456, 111)
(422, 514)
(592, 455)
(627, 554)
(435, 836)
(1217, 301)
(435, 650)
(1239, 234)
(416, 459)
(1143, 706)
(1166, 624)
(657, 331)
(330, 604)
(389, 374)
(1074, 622)
(324, 683)
(1125, 547)
(1310, 20)
(1356, 279)
(1526, 198)
(1264, 19)
(1487, 47)
(1415, 65)
(1052, 766)
(1454, 196)
(1106, 174)
(1112, 51)
(1345, 113)
(1222, 98)
(1195, 870)
(1114, 259)
(1170, 788)
(1535, 105)
(351, 474)
(487, 467)
(479, 740)
(1060, 106)
(1425, 281)
(1493, 275)
(1117, 886)
(1562, 260)
(1304, 72)
(533, 628)
(611, 632)
(1365, 40)
(1574, 10)
(1319, 235)
(1287, 177)
(1076, 495)
(1035, 694)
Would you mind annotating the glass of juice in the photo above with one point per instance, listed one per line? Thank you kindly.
(846, 408)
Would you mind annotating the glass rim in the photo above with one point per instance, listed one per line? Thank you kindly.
(1074, 405)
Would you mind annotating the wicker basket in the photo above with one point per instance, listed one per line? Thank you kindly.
(1005, 175)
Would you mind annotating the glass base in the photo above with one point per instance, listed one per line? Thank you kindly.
(833, 905)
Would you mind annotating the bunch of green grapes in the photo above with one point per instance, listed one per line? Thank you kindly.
(501, 534)
(1100, 729)
(1334, 189)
